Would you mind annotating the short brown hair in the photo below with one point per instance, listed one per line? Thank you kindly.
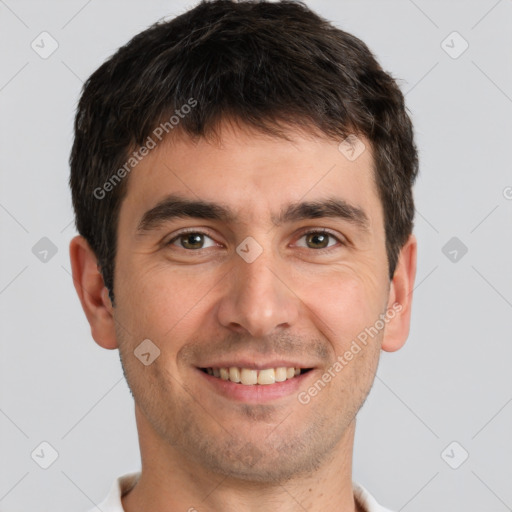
(266, 64)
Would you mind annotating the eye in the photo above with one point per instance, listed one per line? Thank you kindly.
(192, 240)
(319, 239)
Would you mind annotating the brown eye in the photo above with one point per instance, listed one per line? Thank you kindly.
(192, 241)
(319, 239)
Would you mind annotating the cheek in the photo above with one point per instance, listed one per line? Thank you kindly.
(344, 303)
(164, 304)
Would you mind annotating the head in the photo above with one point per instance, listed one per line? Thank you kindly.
(245, 123)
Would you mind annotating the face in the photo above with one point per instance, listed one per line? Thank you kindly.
(238, 258)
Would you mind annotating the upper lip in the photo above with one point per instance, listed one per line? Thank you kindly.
(260, 365)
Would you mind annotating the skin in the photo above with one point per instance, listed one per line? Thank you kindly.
(295, 301)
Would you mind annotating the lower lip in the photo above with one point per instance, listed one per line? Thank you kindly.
(256, 393)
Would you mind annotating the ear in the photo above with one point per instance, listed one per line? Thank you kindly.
(93, 294)
(400, 298)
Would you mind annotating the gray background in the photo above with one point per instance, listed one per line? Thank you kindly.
(452, 380)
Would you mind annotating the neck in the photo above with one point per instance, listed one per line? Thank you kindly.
(171, 481)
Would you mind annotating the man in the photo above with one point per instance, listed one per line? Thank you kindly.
(241, 178)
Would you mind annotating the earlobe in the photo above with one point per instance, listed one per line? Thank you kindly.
(400, 298)
(92, 293)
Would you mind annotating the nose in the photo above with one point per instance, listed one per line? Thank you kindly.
(258, 299)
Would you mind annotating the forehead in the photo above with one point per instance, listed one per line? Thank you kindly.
(252, 173)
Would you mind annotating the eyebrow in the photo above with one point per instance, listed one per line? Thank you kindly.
(173, 207)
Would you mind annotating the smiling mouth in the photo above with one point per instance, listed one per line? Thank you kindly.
(251, 377)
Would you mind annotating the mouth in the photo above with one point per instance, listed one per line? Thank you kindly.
(255, 377)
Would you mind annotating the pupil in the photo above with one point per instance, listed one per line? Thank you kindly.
(193, 240)
(318, 238)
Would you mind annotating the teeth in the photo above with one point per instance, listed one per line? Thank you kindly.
(280, 374)
(250, 377)
(234, 374)
(267, 376)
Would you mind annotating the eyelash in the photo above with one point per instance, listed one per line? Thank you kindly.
(305, 233)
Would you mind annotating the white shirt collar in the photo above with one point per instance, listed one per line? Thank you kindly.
(123, 484)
